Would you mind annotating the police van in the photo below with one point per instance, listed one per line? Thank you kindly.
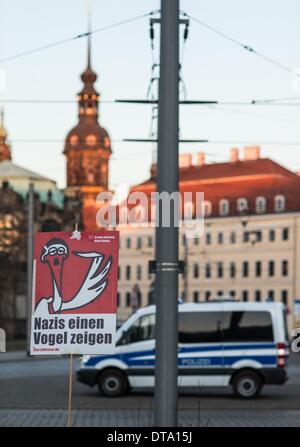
(225, 343)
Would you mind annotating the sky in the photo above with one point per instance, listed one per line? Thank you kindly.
(213, 68)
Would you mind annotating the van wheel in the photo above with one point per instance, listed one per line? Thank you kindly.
(247, 385)
(113, 383)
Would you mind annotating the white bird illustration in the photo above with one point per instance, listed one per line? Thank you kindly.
(55, 252)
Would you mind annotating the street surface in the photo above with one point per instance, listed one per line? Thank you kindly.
(33, 392)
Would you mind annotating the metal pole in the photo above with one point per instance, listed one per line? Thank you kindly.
(30, 230)
(166, 281)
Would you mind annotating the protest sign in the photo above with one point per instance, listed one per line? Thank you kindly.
(74, 293)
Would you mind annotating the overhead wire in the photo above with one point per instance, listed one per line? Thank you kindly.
(248, 48)
(77, 37)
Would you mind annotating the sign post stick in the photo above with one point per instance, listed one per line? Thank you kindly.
(69, 424)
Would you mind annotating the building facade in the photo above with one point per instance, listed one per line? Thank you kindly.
(250, 247)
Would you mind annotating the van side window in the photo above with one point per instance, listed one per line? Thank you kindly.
(249, 326)
(200, 327)
(142, 330)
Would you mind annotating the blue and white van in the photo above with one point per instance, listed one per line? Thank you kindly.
(242, 344)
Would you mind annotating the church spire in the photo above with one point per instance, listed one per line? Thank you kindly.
(89, 35)
(88, 97)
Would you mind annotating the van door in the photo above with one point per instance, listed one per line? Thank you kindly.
(137, 351)
(200, 354)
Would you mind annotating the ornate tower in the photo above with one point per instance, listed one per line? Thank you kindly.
(5, 153)
(87, 148)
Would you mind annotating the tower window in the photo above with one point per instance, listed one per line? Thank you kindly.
(74, 140)
(91, 140)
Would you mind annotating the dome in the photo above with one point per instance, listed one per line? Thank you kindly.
(19, 179)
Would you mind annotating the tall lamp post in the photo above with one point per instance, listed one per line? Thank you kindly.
(166, 281)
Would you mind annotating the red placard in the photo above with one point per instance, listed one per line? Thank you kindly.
(74, 291)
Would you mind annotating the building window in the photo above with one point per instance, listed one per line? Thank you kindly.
(285, 234)
(271, 268)
(220, 238)
(138, 272)
(220, 269)
(196, 270)
(207, 208)
(271, 295)
(208, 238)
(196, 240)
(258, 268)
(207, 295)
(245, 295)
(232, 270)
(245, 269)
(207, 271)
(246, 236)
(224, 207)
(220, 293)
(242, 205)
(233, 237)
(232, 293)
(196, 296)
(257, 295)
(119, 272)
(128, 271)
(272, 235)
(139, 243)
(258, 236)
(279, 203)
(118, 299)
(260, 205)
(149, 241)
(285, 268)
(128, 296)
(284, 296)
(128, 242)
